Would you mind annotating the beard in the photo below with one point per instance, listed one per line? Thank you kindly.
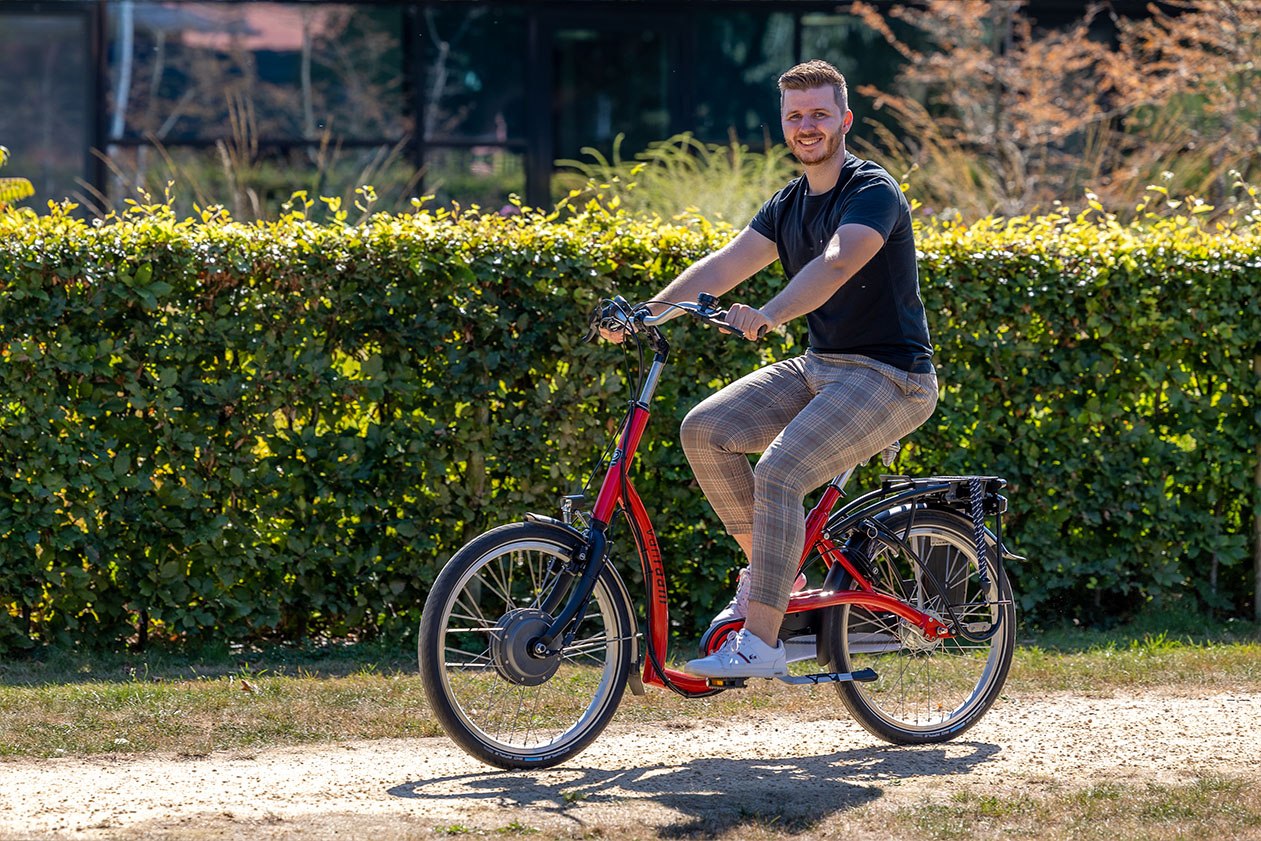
(820, 153)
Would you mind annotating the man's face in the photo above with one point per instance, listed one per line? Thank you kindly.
(814, 124)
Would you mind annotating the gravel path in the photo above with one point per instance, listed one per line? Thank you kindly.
(686, 777)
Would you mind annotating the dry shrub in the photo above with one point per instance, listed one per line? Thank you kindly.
(999, 117)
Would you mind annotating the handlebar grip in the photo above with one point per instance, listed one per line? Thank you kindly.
(726, 329)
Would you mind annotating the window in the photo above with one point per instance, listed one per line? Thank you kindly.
(860, 53)
(475, 74)
(205, 71)
(740, 56)
(45, 101)
(610, 79)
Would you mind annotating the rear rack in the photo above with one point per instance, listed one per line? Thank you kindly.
(954, 491)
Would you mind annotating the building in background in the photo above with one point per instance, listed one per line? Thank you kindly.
(466, 101)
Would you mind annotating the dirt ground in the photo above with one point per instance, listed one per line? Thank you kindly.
(683, 778)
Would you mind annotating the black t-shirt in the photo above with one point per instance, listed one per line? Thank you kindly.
(878, 312)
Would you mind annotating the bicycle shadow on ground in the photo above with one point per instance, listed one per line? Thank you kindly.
(716, 794)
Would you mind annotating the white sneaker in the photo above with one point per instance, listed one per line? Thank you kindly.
(738, 607)
(742, 654)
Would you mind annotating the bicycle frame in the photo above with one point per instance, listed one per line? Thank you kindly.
(616, 489)
(914, 577)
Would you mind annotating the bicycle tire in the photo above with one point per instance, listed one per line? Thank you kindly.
(496, 701)
(928, 690)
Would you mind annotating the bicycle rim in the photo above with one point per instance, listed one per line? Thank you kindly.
(496, 715)
(928, 690)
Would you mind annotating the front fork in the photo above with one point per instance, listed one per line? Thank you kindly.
(585, 565)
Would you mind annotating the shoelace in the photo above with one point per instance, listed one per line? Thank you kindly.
(730, 646)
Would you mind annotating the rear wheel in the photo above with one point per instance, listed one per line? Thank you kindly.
(491, 692)
(928, 690)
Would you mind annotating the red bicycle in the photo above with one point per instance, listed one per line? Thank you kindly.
(529, 637)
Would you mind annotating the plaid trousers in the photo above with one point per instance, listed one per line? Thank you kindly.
(811, 417)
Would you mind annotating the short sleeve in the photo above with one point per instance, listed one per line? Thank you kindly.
(764, 220)
(877, 205)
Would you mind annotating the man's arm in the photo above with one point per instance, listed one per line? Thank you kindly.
(716, 273)
(723, 270)
(850, 248)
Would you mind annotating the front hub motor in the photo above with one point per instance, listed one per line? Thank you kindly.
(512, 648)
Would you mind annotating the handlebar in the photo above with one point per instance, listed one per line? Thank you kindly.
(620, 315)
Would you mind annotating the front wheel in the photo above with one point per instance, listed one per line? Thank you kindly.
(489, 690)
(927, 690)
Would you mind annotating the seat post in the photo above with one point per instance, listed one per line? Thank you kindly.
(842, 479)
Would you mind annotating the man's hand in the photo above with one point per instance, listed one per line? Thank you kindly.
(751, 322)
(614, 336)
(608, 320)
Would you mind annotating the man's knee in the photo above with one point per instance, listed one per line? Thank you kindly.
(701, 431)
(777, 475)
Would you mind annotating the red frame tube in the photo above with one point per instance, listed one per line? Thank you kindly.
(816, 599)
(658, 607)
(611, 488)
(658, 601)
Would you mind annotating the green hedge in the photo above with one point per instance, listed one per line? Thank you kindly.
(1109, 371)
(222, 432)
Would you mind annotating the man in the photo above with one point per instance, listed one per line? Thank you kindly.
(842, 232)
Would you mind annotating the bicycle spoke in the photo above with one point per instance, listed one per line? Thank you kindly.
(482, 659)
(481, 624)
(470, 610)
(498, 585)
(536, 583)
(587, 646)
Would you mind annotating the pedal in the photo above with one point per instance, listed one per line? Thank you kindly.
(860, 676)
(726, 682)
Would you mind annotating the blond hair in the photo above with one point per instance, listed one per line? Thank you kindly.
(815, 74)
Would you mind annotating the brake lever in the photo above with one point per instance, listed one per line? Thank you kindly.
(593, 323)
(709, 311)
(602, 312)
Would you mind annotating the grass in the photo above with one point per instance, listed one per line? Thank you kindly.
(66, 704)
(1158, 649)
(1205, 807)
(683, 176)
(197, 716)
(1151, 663)
(70, 704)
